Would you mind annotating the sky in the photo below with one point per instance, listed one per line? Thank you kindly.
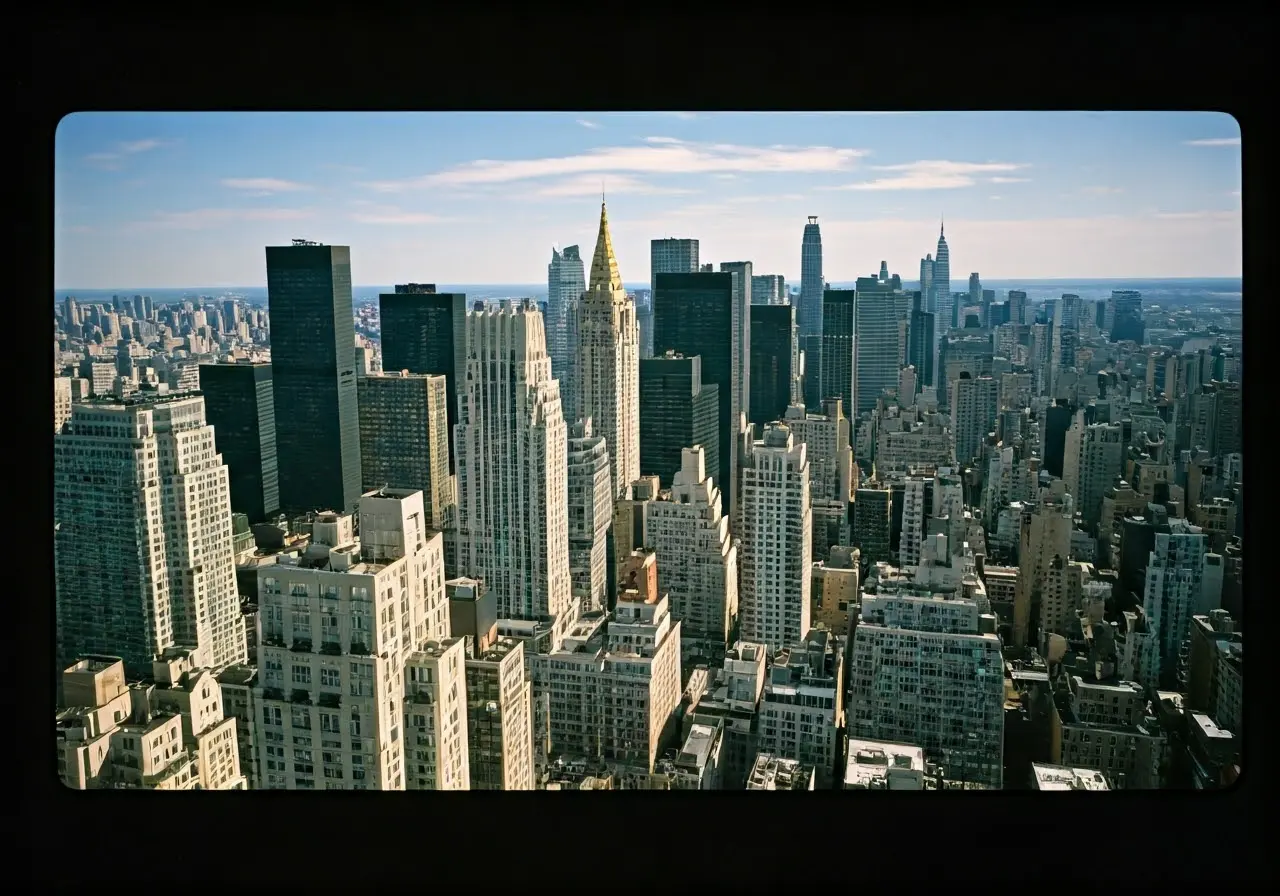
(191, 199)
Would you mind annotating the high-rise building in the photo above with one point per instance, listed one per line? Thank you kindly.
(239, 403)
(667, 256)
(607, 362)
(1125, 311)
(1044, 540)
(876, 349)
(512, 454)
(425, 332)
(872, 523)
(698, 557)
(777, 532)
(921, 342)
(809, 312)
(590, 515)
(802, 710)
(942, 305)
(313, 372)
(61, 401)
(831, 471)
(741, 360)
(435, 717)
(404, 438)
(974, 407)
(773, 353)
(1064, 338)
(926, 282)
(1173, 594)
(1093, 457)
(839, 347)
(769, 289)
(143, 557)
(693, 315)
(677, 409)
(500, 717)
(1017, 306)
(566, 283)
(975, 292)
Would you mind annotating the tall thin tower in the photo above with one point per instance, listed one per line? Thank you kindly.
(512, 495)
(607, 372)
(809, 314)
(565, 285)
(942, 301)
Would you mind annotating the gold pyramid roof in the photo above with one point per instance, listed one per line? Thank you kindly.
(604, 265)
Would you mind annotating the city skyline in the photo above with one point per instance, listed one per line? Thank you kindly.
(183, 199)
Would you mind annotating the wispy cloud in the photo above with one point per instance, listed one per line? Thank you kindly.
(264, 186)
(207, 218)
(592, 185)
(1102, 191)
(659, 156)
(995, 198)
(1215, 141)
(930, 175)
(589, 125)
(1008, 180)
(114, 159)
(1213, 215)
(372, 213)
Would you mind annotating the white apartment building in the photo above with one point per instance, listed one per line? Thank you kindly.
(1173, 594)
(1061, 595)
(699, 559)
(974, 406)
(777, 533)
(915, 508)
(590, 514)
(511, 459)
(831, 470)
(1044, 534)
(615, 683)
(61, 401)
(802, 710)
(1092, 459)
(927, 669)
(140, 491)
(697, 766)
(166, 734)
(607, 362)
(338, 622)
(948, 505)
(881, 765)
(435, 717)
(499, 718)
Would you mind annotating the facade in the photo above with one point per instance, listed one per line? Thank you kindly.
(693, 315)
(777, 533)
(499, 718)
(425, 332)
(1173, 594)
(435, 717)
(512, 458)
(740, 362)
(404, 437)
(239, 403)
(607, 357)
(1093, 456)
(941, 305)
(1045, 776)
(699, 559)
(61, 401)
(339, 621)
(140, 491)
(566, 282)
(877, 351)
(831, 470)
(871, 528)
(677, 409)
(810, 311)
(839, 346)
(974, 407)
(1125, 310)
(313, 370)
(773, 357)
(802, 710)
(769, 289)
(590, 514)
(921, 343)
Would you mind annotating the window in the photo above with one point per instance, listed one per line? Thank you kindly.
(330, 677)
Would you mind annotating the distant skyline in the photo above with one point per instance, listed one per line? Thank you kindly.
(168, 200)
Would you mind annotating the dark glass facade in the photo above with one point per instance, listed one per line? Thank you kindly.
(425, 333)
(839, 308)
(920, 341)
(1126, 321)
(313, 361)
(239, 403)
(693, 315)
(772, 335)
(677, 411)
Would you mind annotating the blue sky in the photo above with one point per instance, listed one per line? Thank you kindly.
(191, 199)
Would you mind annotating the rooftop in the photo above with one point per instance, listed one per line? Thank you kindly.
(773, 773)
(1208, 728)
(871, 762)
(1061, 777)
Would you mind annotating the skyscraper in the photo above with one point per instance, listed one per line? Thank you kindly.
(876, 343)
(512, 455)
(839, 347)
(143, 556)
(565, 285)
(810, 311)
(667, 256)
(677, 409)
(1126, 316)
(1017, 306)
(607, 369)
(239, 403)
(777, 530)
(773, 351)
(313, 367)
(590, 514)
(942, 305)
(1172, 595)
(741, 272)
(974, 406)
(693, 315)
(404, 438)
(920, 341)
(926, 281)
(768, 289)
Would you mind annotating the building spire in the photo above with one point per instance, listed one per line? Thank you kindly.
(604, 265)
(942, 232)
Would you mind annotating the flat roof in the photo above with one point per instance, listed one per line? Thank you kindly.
(1063, 777)
(871, 760)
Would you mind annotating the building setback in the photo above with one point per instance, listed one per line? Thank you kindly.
(313, 361)
(239, 403)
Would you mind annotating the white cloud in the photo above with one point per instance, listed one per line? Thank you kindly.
(1235, 193)
(1215, 141)
(372, 213)
(1102, 191)
(591, 185)
(1008, 180)
(995, 198)
(664, 156)
(139, 146)
(590, 125)
(930, 175)
(113, 161)
(205, 218)
(1219, 215)
(264, 185)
